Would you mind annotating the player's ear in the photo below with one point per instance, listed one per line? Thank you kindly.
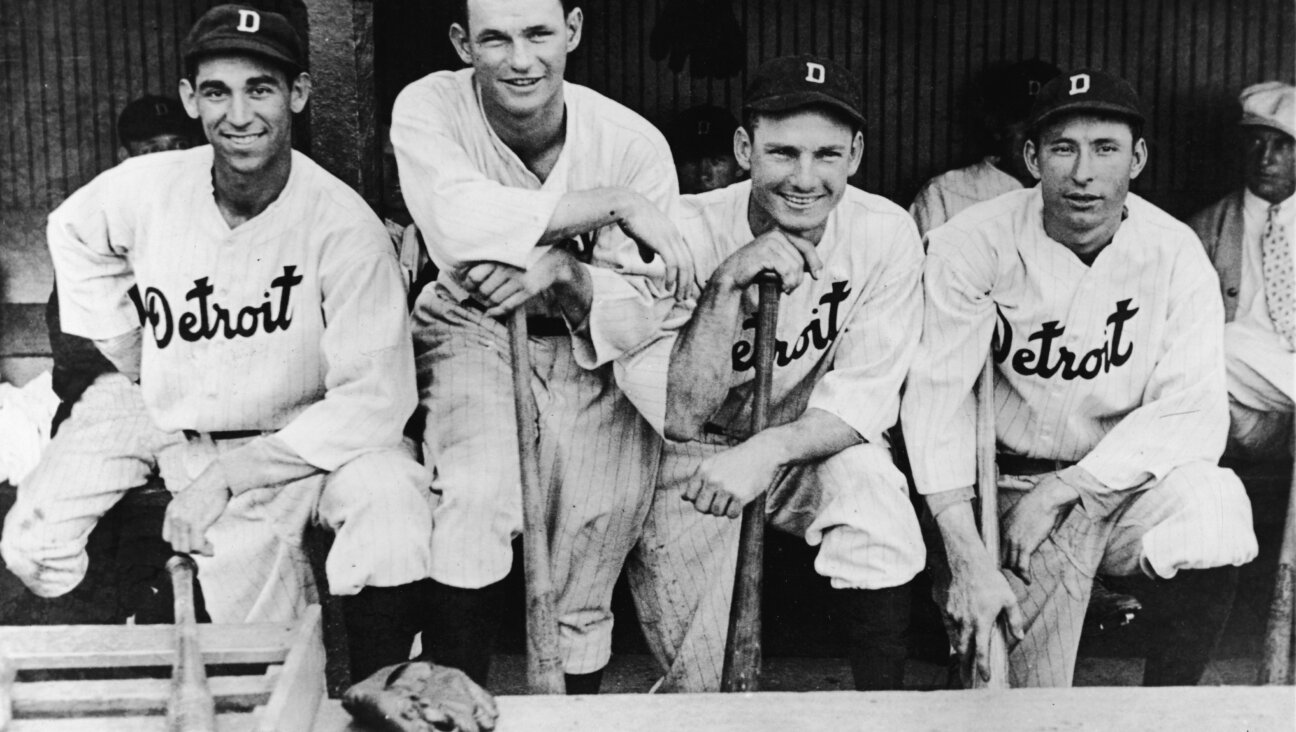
(1031, 156)
(299, 93)
(856, 152)
(462, 45)
(575, 20)
(742, 148)
(122, 153)
(1140, 158)
(189, 98)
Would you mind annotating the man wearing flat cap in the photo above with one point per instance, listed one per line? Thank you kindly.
(1103, 319)
(275, 361)
(849, 263)
(1248, 235)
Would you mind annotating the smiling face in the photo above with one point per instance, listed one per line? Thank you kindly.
(518, 50)
(1269, 163)
(1085, 164)
(246, 107)
(799, 164)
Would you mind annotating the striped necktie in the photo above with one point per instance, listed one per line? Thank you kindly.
(1276, 262)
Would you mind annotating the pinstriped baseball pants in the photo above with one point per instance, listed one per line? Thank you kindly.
(854, 505)
(597, 461)
(377, 505)
(1198, 517)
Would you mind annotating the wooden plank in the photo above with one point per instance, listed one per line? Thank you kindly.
(22, 330)
(292, 705)
(129, 696)
(82, 646)
(1256, 709)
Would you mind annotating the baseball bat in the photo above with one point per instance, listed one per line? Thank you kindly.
(544, 664)
(742, 659)
(190, 706)
(1276, 665)
(988, 492)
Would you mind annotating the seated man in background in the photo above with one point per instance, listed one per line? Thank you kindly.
(1110, 406)
(276, 358)
(845, 336)
(701, 141)
(1248, 235)
(1006, 93)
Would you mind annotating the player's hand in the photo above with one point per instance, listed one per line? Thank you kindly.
(977, 596)
(193, 510)
(503, 288)
(420, 696)
(787, 255)
(1028, 523)
(729, 480)
(653, 230)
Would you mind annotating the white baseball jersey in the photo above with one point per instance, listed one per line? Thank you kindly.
(292, 323)
(844, 341)
(475, 200)
(1118, 365)
(954, 190)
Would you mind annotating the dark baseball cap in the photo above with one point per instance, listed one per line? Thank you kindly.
(1086, 90)
(792, 82)
(153, 115)
(702, 130)
(243, 29)
(1010, 90)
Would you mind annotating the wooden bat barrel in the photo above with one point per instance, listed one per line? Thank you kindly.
(190, 707)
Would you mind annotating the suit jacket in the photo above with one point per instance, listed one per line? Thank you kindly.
(1220, 228)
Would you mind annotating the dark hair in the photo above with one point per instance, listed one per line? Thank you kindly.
(288, 71)
(459, 11)
(750, 116)
(1136, 126)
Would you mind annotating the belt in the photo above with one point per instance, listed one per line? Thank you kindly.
(538, 326)
(1010, 464)
(224, 435)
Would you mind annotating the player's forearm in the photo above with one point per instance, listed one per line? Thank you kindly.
(262, 462)
(964, 550)
(701, 364)
(123, 352)
(580, 212)
(814, 435)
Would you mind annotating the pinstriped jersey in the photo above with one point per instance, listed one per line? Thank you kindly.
(474, 199)
(292, 322)
(1118, 365)
(844, 341)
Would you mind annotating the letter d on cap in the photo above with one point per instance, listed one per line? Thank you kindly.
(815, 72)
(1079, 84)
(249, 21)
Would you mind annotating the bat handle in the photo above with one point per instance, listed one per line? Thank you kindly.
(190, 707)
(742, 661)
(988, 492)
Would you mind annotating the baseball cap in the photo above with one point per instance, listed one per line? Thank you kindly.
(1269, 104)
(239, 28)
(792, 82)
(1085, 90)
(702, 130)
(1010, 90)
(152, 115)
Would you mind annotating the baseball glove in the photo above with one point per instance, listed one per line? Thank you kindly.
(421, 697)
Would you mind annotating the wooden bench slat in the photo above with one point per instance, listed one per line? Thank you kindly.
(85, 646)
(129, 696)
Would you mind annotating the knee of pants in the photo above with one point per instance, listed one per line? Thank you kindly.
(379, 508)
(47, 569)
(866, 523)
(1198, 517)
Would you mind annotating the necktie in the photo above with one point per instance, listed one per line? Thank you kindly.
(1276, 262)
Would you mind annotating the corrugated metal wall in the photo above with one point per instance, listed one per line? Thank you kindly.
(68, 66)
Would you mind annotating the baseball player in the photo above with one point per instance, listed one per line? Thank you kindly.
(1005, 101)
(1110, 406)
(1248, 236)
(534, 192)
(701, 140)
(275, 358)
(846, 333)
